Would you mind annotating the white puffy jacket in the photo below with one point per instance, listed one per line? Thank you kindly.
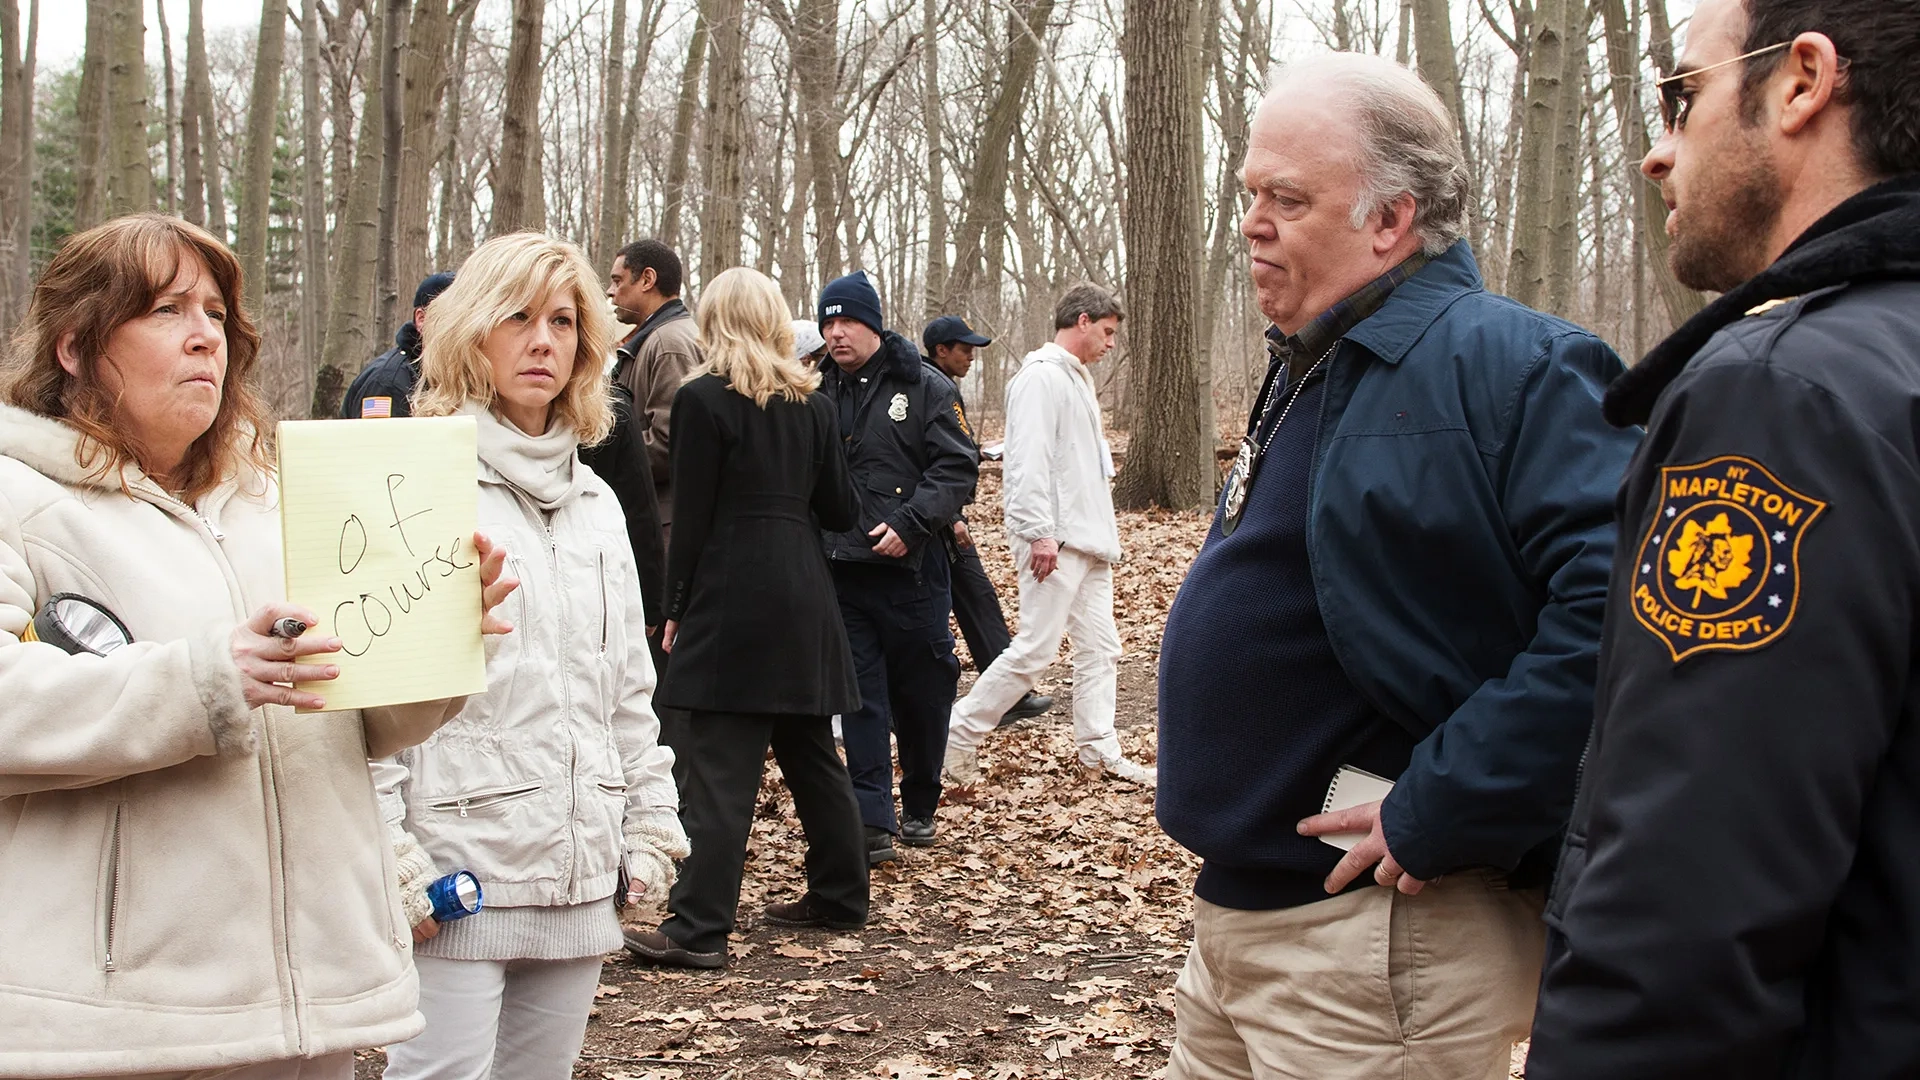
(185, 883)
(1055, 481)
(530, 785)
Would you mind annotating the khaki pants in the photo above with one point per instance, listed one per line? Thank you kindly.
(1363, 986)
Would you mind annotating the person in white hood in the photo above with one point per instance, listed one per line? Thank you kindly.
(1064, 541)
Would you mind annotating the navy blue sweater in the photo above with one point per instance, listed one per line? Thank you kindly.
(1256, 714)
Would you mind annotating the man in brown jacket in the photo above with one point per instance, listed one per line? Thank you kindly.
(644, 286)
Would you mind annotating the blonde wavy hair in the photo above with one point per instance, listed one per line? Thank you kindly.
(746, 338)
(505, 276)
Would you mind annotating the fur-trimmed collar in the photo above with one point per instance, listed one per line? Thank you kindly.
(895, 352)
(1873, 235)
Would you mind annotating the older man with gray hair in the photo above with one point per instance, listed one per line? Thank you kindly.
(1394, 620)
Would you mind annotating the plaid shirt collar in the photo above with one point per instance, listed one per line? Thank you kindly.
(1301, 350)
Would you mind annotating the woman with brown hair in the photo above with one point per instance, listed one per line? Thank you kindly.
(192, 876)
(760, 655)
(551, 787)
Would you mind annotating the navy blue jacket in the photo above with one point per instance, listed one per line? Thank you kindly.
(391, 375)
(1460, 535)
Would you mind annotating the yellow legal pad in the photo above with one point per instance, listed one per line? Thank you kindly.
(377, 522)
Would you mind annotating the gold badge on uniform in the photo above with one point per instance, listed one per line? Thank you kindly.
(897, 409)
(1719, 567)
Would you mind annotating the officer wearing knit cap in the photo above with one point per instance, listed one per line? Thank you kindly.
(914, 465)
(384, 385)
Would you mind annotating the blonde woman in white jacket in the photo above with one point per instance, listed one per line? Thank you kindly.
(551, 787)
(193, 879)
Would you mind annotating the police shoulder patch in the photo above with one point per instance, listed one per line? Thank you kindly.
(1719, 567)
(960, 414)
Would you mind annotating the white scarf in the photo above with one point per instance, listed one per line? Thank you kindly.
(541, 467)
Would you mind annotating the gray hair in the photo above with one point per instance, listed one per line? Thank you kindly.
(1406, 137)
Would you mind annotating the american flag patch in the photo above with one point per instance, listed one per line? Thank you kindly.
(376, 407)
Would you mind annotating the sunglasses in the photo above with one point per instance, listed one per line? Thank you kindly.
(1676, 101)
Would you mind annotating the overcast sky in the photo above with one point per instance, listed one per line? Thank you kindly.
(63, 26)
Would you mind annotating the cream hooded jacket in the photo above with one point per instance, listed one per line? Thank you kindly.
(1055, 479)
(533, 785)
(184, 883)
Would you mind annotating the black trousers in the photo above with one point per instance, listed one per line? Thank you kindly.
(976, 606)
(903, 657)
(673, 722)
(726, 753)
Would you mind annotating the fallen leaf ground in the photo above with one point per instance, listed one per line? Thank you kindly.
(1039, 938)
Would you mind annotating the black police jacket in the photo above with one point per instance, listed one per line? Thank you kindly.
(621, 460)
(1739, 895)
(908, 451)
(386, 383)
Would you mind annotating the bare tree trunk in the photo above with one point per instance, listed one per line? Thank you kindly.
(612, 120)
(313, 194)
(1440, 67)
(256, 169)
(193, 179)
(1563, 217)
(932, 118)
(21, 269)
(620, 158)
(816, 49)
(456, 203)
(423, 74)
(1164, 465)
(725, 130)
(350, 304)
(166, 59)
(342, 66)
(90, 160)
(985, 198)
(679, 153)
(209, 133)
(16, 111)
(132, 170)
(394, 43)
(515, 173)
(1546, 70)
(1650, 213)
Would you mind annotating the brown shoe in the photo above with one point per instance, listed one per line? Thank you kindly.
(802, 914)
(657, 948)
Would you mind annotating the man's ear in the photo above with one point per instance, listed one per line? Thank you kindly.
(1396, 220)
(69, 359)
(1812, 70)
(647, 279)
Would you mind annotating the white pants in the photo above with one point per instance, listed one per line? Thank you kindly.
(498, 1019)
(1076, 600)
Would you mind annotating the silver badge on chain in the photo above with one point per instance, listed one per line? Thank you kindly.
(1236, 486)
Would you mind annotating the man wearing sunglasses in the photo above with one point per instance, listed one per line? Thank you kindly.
(1740, 890)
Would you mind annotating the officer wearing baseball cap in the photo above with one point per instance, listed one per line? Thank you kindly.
(950, 344)
(382, 388)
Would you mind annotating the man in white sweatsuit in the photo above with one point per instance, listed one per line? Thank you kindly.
(1060, 527)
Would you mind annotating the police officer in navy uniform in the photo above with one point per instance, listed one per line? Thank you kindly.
(1739, 895)
(383, 387)
(950, 346)
(914, 466)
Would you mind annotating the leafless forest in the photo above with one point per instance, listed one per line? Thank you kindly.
(974, 156)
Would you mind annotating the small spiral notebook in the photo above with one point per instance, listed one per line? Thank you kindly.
(1352, 787)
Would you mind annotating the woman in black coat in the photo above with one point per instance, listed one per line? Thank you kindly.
(760, 656)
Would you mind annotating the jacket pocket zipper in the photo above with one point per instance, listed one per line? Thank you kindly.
(113, 882)
(482, 800)
(605, 613)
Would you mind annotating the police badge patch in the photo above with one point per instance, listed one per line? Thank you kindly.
(897, 408)
(1720, 565)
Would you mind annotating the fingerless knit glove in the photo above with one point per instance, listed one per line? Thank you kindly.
(654, 839)
(415, 871)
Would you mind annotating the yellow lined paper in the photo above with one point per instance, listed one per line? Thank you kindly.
(377, 521)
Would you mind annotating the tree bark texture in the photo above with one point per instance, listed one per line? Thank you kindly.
(620, 157)
(612, 121)
(816, 49)
(514, 174)
(984, 201)
(313, 191)
(932, 119)
(385, 289)
(168, 201)
(721, 216)
(350, 305)
(1546, 69)
(256, 168)
(193, 178)
(90, 157)
(16, 120)
(132, 169)
(1164, 465)
(423, 92)
(680, 149)
(1569, 161)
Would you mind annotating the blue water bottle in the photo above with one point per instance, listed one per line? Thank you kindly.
(455, 896)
